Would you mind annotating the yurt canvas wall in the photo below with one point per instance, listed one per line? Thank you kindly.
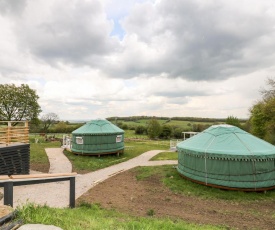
(98, 137)
(226, 156)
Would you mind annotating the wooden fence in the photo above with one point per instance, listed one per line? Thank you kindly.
(11, 134)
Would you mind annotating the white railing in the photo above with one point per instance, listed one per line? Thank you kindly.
(174, 142)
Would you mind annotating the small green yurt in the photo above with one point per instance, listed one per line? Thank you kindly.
(227, 157)
(98, 137)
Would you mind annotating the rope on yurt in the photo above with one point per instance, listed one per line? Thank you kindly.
(205, 164)
(253, 162)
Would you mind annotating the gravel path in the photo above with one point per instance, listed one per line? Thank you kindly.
(57, 194)
(59, 163)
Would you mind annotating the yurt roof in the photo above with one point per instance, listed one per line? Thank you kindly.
(98, 127)
(227, 141)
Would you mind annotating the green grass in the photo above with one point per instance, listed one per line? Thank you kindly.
(84, 164)
(171, 178)
(131, 134)
(187, 125)
(38, 154)
(94, 217)
(38, 157)
(165, 156)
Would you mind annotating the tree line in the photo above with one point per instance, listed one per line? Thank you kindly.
(193, 119)
(19, 103)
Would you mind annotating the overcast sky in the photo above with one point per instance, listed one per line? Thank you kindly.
(90, 59)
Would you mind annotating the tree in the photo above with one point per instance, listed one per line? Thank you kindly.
(231, 120)
(262, 114)
(269, 93)
(154, 128)
(48, 120)
(258, 119)
(166, 132)
(18, 103)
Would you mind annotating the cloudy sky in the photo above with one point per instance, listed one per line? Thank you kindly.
(91, 59)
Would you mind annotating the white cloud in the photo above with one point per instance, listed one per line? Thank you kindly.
(195, 41)
(186, 58)
(73, 33)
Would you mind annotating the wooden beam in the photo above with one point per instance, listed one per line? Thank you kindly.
(42, 175)
(4, 178)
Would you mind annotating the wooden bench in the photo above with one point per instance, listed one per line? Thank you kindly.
(8, 182)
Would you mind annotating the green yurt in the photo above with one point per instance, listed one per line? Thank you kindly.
(228, 157)
(98, 137)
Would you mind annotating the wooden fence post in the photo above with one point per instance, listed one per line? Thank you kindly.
(8, 134)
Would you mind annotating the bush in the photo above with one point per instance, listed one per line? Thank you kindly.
(166, 132)
(124, 126)
(140, 129)
(231, 120)
(199, 127)
(178, 132)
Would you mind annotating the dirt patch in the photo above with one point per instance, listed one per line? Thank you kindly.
(125, 193)
(40, 167)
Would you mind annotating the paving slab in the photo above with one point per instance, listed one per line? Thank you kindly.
(38, 227)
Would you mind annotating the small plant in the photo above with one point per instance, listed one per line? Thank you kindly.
(85, 204)
(150, 212)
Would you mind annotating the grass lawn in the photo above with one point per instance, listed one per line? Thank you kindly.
(131, 134)
(177, 184)
(165, 156)
(89, 216)
(84, 164)
(38, 157)
(187, 125)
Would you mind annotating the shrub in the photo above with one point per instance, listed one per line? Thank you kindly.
(124, 126)
(178, 132)
(150, 212)
(166, 132)
(140, 129)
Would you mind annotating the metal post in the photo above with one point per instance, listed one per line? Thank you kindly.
(8, 193)
(72, 192)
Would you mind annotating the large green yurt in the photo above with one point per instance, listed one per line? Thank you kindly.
(98, 137)
(228, 157)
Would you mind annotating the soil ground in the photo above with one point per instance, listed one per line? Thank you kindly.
(124, 193)
(40, 167)
(5, 210)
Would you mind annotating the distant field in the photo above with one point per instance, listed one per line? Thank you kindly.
(187, 125)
